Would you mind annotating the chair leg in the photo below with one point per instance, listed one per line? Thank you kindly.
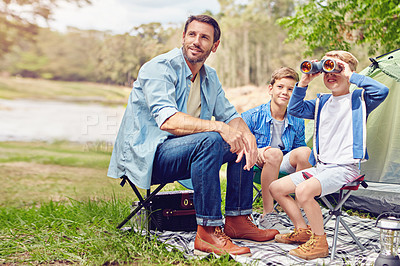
(258, 193)
(337, 212)
(352, 234)
(142, 202)
(335, 236)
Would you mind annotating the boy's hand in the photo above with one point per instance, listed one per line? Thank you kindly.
(346, 71)
(307, 78)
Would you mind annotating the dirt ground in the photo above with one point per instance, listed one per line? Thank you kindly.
(247, 97)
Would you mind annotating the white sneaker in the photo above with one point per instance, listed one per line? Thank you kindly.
(271, 221)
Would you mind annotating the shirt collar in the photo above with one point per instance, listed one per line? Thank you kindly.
(289, 120)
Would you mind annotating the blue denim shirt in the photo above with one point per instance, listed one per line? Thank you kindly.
(161, 90)
(259, 121)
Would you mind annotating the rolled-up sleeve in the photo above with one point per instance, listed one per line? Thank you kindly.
(224, 111)
(157, 80)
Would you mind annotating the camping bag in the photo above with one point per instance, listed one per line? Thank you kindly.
(173, 211)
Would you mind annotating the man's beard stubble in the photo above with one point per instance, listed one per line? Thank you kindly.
(200, 59)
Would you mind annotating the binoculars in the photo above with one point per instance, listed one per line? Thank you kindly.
(325, 65)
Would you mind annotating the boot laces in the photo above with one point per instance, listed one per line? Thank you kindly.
(310, 243)
(250, 221)
(220, 234)
(296, 233)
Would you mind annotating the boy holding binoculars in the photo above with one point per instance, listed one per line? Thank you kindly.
(339, 148)
(280, 140)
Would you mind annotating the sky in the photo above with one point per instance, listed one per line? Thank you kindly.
(120, 16)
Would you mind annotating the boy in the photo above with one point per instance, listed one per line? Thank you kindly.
(339, 149)
(280, 140)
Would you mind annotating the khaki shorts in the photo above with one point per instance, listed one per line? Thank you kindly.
(332, 177)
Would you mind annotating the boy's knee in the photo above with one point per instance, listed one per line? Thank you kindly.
(275, 188)
(273, 156)
(303, 194)
(300, 154)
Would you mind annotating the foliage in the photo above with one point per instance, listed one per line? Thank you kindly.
(341, 24)
(251, 48)
(19, 18)
(252, 43)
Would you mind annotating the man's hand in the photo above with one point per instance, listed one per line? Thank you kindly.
(251, 152)
(243, 143)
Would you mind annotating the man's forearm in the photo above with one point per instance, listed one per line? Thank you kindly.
(239, 124)
(181, 124)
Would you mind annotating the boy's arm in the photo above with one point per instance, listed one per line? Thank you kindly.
(298, 107)
(299, 137)
(375, 92)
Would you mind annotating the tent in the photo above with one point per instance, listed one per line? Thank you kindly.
(382, 170)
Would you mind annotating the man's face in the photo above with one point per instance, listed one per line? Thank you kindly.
(198, 42)
(281, 91)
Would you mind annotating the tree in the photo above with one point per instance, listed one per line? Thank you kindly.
(252, 43)
(339, 24)
(18, 19)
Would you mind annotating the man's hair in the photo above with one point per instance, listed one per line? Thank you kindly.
(206, 19)
(344, 56)
(284, 72)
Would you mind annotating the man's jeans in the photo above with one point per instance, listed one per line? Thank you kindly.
(199, 157)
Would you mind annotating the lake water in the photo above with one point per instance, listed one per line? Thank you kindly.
(30, 120)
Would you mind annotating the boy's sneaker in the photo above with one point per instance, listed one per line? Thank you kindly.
(298, 236)
(316, 247)
(271, 221)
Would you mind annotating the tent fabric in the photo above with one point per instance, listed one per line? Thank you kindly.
(377, 198)
(383, 127)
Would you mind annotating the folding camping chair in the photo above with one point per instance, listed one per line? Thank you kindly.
(143, 202)
(146, 201)
(344, 194)
(257, 180)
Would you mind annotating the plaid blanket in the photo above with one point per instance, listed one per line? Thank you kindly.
(272, 253)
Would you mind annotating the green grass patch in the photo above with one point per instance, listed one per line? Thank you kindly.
(82, 232)
(59, 207)
(32, 173)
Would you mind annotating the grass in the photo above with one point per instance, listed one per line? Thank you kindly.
(86, 92)
(81, 232)
(59, 207)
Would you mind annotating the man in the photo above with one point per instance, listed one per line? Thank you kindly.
(167, 134)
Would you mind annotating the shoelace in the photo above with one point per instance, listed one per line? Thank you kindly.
(250, 221)
(306, 246)
(295, 233)
(218, 232)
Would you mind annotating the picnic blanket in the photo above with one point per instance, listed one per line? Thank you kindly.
(272, 253)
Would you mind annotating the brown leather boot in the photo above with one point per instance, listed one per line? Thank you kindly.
(316, 247)
(298, 236)
(211, 239)
(242, 227)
